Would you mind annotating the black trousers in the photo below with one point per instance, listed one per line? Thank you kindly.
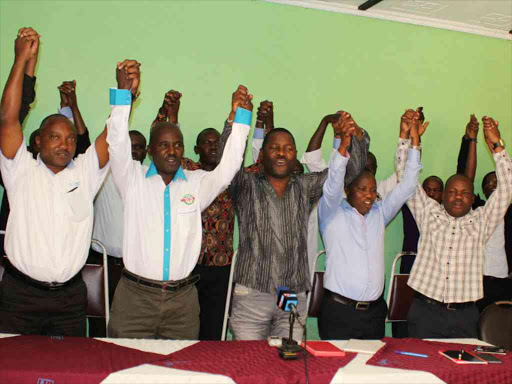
(29, 310)
(433, 321)
(115, 267)
(342, 322)
(212, 289)
(495, 289)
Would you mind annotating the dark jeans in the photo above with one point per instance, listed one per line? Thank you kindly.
(495, 289)
(342, 322)
(400, 329)
(26, 309)
(433, 321)
(115, 267)
(212, 290)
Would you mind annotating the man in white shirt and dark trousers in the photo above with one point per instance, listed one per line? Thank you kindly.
(50, 224)
(157, 297)
(353, 230)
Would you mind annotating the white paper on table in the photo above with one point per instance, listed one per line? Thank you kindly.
(368, 347)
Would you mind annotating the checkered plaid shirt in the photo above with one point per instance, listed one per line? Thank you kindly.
(449, 265)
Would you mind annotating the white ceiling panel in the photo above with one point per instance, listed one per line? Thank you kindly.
(484, 17)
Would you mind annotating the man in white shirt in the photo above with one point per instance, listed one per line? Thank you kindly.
(156, 296)
(50, 224)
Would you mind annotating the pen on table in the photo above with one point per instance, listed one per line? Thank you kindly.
(411, 354)
(74, 189)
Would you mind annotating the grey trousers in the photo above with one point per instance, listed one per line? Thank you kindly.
(143, 312)
(256, 316)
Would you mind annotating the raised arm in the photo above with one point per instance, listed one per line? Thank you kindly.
(29, 82)
(118, 138)
(231, 149)
(466, 161)
(69, 108)
(496, 207)
(264, 123)
(170, 108)
(334, 186)
(313, 158)
(11, 135)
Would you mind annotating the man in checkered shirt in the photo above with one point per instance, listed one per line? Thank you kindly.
(448, 272)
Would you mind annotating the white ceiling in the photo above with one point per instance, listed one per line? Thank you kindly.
(484, 17)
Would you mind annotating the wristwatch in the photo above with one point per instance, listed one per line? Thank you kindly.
(499, 143)
(473, 139)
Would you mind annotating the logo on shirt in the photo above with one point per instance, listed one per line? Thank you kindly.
(188, 199)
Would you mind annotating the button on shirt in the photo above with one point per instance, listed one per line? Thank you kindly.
(50, 224)
(162, 223)
(354, 243)
(449, 264)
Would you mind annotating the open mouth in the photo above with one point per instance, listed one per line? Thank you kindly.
(281, 162)
(172, 160)
(63, 155)
(368, 203)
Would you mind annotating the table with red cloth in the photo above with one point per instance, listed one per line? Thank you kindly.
(440, 366)
(169, 361)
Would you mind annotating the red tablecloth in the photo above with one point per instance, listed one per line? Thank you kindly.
(77, 360)
(440, 366)
(249, 362)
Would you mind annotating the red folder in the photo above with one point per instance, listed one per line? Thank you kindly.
(323, 348)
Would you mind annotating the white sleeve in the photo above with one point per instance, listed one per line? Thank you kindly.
(314, 161)
(257, 143)
(90, 165)
(384, 187)
(119, 147)
(216, 181)
(16, 168)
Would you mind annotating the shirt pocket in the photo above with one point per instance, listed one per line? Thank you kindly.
(79, 207)
(186, 209)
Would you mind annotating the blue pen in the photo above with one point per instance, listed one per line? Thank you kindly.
(411, 354)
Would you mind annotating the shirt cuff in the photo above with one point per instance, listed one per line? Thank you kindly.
(66, 111)
(243, 116)
(120, 96)
(259, 133)
(336, 143)
(338, 159)
(404, 141)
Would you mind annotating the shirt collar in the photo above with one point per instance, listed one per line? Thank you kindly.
(178, 175)
(70, 165)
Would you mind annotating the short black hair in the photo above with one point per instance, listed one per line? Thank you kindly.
(461, 176)
(274, 131)
(436, 178)
(158, 126)
(136, 133)
(486, 177)
(204, 131)
(49, 119)
(363, 174)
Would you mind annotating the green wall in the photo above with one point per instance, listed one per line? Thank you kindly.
(309, 62)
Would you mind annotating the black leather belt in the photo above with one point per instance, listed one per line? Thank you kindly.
(360, 305)
(18, 275)
(450, 306)
(164, 285)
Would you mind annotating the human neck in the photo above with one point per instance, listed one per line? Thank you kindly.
(207, 167)
(279, 184)
(167, 177)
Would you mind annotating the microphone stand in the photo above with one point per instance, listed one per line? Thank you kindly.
(290, 349)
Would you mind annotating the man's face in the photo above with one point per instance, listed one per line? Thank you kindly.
(362, 193)
(207, 148)
(458, 196)
(57, 144)
(491, 182)
(138, 147)
(434, 189)
(167, 150)
(279, 155)
(371, 164)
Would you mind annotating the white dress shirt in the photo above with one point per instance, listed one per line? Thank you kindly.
(50, 223)
(108, 219)
(495, 257)
(354, 244)
(162, 223)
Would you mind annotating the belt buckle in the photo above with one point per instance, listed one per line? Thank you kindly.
(362, 305)
(450, 308)
(54, 285)
(170, 284)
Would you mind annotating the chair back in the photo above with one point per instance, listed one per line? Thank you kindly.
(495, 324)
(400, 295)
(316, 295)
(96, 280)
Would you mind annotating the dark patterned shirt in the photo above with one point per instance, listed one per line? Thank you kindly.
(218, 222)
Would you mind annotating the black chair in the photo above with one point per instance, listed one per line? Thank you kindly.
(495, 324)
(316, 295)
(400, 295)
